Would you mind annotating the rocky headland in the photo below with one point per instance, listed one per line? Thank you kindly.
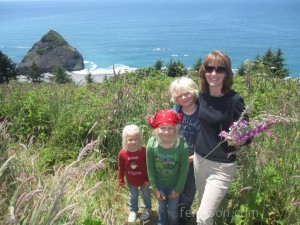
(51, 51)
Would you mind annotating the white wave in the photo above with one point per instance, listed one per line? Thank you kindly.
(119, 69)
(81, 72)
(174, 55)
(99, 74)
(158, 49)
(17, 46)
(21, 47)
(90, 65)
(185, 55)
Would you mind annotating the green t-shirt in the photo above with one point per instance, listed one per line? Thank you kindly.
(168, 167)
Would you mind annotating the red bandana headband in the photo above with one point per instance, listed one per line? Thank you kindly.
(163, 117)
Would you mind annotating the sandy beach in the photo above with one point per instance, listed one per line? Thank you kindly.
(79, 76)
(99, 74)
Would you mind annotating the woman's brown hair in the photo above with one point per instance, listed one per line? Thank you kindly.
(216, 58)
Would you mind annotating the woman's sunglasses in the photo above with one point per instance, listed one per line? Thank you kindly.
(218, 69)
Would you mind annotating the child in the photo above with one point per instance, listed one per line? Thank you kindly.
(185, 94)
(167, 164)
(132, 165)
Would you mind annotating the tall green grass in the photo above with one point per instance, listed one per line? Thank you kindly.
(54, 136)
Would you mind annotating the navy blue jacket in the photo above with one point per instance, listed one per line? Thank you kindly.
(215, 115)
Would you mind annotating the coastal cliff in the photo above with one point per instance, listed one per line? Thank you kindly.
(51, 51)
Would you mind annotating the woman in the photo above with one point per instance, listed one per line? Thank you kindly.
(214, 162)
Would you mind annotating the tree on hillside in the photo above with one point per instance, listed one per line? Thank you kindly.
(60, 75)
(176, 69)
(273, 62)
(270, 64)
(242, 70)
(8, 69)
(89, 78)
(257, 64)
(278, 67)
(197, 64)
(34, 74)
(158, 65)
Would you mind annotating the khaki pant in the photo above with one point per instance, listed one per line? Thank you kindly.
(212, 181)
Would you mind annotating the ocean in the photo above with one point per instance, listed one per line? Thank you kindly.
(134, 35)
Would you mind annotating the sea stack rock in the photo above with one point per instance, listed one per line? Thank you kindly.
(52, 50)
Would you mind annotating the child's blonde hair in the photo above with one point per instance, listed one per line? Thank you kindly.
(175, 139)
(131, 129)
(182, 85)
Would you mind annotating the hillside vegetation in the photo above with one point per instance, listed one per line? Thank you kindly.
(59, 146)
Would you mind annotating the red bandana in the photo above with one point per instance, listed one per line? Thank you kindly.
(163, 117)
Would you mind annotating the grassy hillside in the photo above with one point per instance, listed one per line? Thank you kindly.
(59, 146)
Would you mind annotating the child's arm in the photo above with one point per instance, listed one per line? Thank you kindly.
(159, 195)
(150, 162)
(183, 168)
(147, 183)
(174, 195)
(121, 170)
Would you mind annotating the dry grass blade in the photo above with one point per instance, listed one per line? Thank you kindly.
(23, 146)
(87, 150)
(5, 164)
(85, 168)
(30, 142)
(92, 128)
(12, 214)
(3, 128)
(16, 193)
(96, 187)
(57, 201)
(64, 211)
(27, 196)
(296, 203)
(2, 202)
(246, 189)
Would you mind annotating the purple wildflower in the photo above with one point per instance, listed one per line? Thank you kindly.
(242, 130)
(247, 81)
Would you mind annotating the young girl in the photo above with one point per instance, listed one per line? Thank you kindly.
(185, 94)
(132, 165)
(167, 164)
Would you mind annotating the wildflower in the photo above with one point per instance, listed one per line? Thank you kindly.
(242, 130)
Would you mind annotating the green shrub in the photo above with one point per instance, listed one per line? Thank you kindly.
(54, 121)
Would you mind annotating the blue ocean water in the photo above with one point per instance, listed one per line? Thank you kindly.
(134, 35)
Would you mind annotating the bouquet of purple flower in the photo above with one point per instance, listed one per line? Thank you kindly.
(242, 130)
